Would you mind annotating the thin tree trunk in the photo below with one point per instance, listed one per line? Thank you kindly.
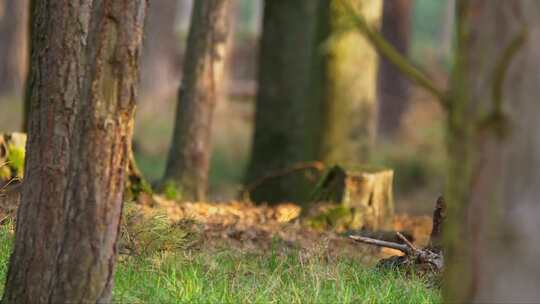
(27, 93)
(159, 68)
(494, 242)
(13, 46)
(285, 53)
(392, 87)
(83, 83)
(189, 156)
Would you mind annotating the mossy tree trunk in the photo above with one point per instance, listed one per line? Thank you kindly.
(282, 101)
(189, 156)
(344, 84)
(83, 80)
(316, 99)
(392, 86)
(492, 238)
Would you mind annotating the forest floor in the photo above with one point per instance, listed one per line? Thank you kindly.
(236, 252)
(240, 253)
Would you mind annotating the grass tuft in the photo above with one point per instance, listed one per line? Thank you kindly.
(151, 232)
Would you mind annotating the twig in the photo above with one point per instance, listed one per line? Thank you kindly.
(407, 242)
(319, 166)
(11, 181)
(4, 219)
(401, 247)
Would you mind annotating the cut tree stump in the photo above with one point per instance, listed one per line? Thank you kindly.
(362, 198)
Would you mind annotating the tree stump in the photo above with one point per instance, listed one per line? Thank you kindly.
(361, 198)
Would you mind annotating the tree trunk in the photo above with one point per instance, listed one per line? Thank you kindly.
(83, 83)
(189, 156)
(313, 85)
(282, 102)
(392, 86)
(13, 46)
(494, 237)
(159, 68)
(345, 88)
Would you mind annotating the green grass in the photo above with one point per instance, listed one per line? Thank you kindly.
(5, 250)
(278, 275)
(232, 276)
(235, 277)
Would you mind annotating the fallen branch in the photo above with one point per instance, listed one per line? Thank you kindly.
(407, 242)
(319, 166)
(385, 244)
(431, 256)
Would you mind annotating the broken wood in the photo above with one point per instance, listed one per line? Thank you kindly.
(439, 215)
(383, 235)
(380, 243)
(430, 258)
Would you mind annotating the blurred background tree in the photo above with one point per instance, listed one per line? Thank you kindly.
(160, 67)
(13, 46)
(282, 101)
(392, 87)
(417, 178)
(189, 156)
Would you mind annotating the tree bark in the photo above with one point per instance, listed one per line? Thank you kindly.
(189, 156)
(83, 83)
(493, 237)
(344, 87)
(313, 85)
(282, 105)
(392, 86)
(13, 46)
(159, 68)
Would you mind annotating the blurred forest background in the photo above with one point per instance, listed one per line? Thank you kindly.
(415, 150)
(299, 89)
